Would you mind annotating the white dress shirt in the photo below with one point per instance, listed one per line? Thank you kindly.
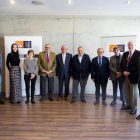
(63, 57)
(80, 58)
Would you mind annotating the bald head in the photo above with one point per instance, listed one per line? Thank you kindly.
(64, 49)
(131, 46)
(47, 48)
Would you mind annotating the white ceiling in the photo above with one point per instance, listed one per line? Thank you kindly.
(78, 7)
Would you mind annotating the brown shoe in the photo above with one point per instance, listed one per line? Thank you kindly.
(104, 103)
(138, 117)
(42, 99)
(126, 107)
(67, 99)
(2, 102)
(59, 99)
(72, 101)
(96, 102)
(83, 100)
(51, 99)
(132, 112)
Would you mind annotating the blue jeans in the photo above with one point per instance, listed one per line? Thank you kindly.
(0, 88)
(115, 87)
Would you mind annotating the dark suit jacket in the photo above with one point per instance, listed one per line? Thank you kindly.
(132, 67)
(61, 69)
(103, 71)
(82, 68)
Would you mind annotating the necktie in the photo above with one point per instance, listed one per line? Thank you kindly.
(128, 60)
(63, 58)
(47, 58)
(100, 62)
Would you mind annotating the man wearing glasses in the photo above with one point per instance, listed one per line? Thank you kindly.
(46, 64)
(100, 74)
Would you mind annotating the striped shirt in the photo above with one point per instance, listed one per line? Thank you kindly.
(30, 66)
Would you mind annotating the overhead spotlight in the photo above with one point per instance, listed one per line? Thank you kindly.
(69, 1)
(39, 2)
(128, 2)
(11, 1)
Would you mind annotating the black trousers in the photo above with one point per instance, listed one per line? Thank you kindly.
(103, 85)
(115, 87)
(27, 84)
(43, 86)
(61, 80)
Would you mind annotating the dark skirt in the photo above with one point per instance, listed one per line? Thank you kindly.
(15, 84)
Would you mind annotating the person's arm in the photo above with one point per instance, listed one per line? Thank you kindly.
(89, 65)
(114, 70)
(8, 61)
(54, 64)
(38, 63)
(25, 68)
(0, 62)
(36, 68)
(92, 69)
(121, 67)
(108, 70)
(57, 66)
(71, 67)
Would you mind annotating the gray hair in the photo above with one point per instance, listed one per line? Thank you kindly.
(80, 47)
(100, 48)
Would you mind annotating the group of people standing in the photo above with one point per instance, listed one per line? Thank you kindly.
(123, 70)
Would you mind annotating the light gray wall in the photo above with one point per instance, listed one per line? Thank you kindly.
(73, 31)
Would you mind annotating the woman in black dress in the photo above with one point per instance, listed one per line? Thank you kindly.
(15, 74)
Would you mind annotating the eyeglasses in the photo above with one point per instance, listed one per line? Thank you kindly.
(47, 47)
(100, 52)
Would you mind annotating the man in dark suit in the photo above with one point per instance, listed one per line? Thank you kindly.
(99, 74)
(79, 72)
(129, 69)
(62, 71)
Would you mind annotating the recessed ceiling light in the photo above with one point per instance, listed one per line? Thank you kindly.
(128, 2)
(11, 1)
(38, 2)
(69, 1)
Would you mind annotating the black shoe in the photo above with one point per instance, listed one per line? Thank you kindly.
(123, 104)
(113, 103)
(96, 102)
(72, 101)
(18, 102)
(27, 101)
(2, 102)
(126, 107)
(32, 101)
(51, 99)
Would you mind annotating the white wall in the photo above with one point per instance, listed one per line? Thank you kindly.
(73, 31)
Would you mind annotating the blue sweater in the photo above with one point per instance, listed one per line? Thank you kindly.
(0, 63)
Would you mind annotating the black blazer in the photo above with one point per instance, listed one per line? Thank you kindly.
(61, 69)
(82, 68)
(103, 71)
(132, 67)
